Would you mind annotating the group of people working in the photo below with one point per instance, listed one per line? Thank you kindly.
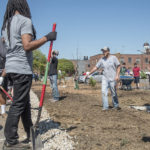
(112, 70)
(19, 36)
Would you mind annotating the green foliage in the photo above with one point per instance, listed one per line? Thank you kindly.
(62, 75)
(92, 82)
(143, 75)
(66, 66)
(59, 76)
(39, 61)
(124, 142)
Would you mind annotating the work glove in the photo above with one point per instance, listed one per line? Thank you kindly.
(51, 36)
(1, 80)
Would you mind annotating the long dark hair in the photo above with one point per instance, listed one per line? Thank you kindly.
(16, 5)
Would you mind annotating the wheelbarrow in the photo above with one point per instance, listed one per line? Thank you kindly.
(126, 82)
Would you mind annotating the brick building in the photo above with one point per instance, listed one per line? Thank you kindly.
(83, 65)
(141, 59)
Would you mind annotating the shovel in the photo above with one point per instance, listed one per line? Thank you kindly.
(35, 136)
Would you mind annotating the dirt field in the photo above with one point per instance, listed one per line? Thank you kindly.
(80, 113)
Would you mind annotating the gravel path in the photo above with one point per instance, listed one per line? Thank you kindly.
(52, 136)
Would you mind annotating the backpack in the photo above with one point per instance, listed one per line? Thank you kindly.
(3, 52)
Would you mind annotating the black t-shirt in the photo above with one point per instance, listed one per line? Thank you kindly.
(53, 66)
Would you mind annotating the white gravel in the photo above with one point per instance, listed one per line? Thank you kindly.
(52, 137)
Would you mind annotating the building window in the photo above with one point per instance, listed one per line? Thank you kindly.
(121, 60)
(138, 60)
(129, 60)
(146, 60)
(89, 65)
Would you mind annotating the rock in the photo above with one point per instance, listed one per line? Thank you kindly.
(52, 136)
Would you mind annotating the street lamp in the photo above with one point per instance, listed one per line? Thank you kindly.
(146, 45)
(146, 51)
(146, 48)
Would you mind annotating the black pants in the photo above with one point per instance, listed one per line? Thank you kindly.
(20, 107)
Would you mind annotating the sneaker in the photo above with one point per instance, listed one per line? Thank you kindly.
(26, 141)
(116, 108)
(17, 146)
(53, 100)
(105, 109)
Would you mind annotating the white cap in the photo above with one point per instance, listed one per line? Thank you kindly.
(56, 52)
(105, 49)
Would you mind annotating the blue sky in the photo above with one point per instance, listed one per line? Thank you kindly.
(89, 25)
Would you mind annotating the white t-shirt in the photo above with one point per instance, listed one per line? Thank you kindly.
(109, 67)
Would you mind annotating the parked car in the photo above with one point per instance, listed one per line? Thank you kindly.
(96, 76)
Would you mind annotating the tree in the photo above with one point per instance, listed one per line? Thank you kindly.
(66, 66)
(39, 61)
(143, 75)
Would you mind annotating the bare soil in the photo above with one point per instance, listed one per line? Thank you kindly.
(80, 113)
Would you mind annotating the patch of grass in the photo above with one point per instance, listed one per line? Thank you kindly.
(92, 82)
(144, 134)
(124, 142)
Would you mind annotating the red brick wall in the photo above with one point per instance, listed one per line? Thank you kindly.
(142, 64)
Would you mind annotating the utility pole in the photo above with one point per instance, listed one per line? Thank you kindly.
(77, 60)
(76, 86)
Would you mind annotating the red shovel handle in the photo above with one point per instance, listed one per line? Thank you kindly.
(45, 80)
(46, 71)
(6, 93)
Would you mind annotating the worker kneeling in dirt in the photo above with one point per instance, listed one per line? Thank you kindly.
(111, 71)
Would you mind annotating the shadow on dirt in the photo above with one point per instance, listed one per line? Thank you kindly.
(48, 124)
(71, 128)
(62, 98)
(147, 104)
(146, 139)
(96, 105)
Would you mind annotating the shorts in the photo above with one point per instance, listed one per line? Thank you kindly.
(136, 79)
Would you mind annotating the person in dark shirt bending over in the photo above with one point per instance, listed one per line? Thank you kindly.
(53, 75)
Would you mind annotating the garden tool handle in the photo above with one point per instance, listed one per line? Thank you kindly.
(6, 93)
(45, 80)
(46, 72)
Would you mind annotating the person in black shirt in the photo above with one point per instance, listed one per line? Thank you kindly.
(53, 75)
